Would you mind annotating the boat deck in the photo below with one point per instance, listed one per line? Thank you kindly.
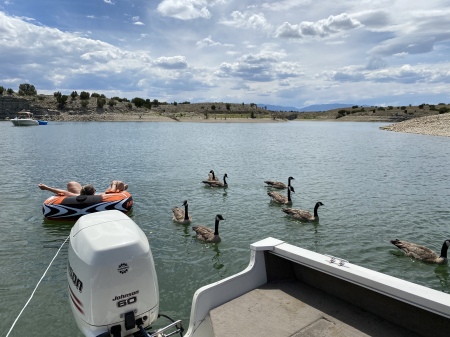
(292, 309)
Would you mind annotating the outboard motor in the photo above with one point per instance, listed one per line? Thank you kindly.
(113, 288)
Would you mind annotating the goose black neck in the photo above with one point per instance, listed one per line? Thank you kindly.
(225, 180)
(216, 227)
(186, 215)
(289, 194)
(444, 250)
(315, 210)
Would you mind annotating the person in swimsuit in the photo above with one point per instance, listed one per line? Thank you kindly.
(74, 188)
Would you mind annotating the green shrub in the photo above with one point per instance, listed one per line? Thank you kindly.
(62, 100)
(138, 102)
(84, 95)
(101, 102)
(27, 90)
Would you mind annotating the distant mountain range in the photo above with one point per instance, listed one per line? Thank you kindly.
(316, 107)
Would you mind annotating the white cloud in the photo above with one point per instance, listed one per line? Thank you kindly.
(109, 2)
(208, 42)
(405, 74)
(174, 62)
(247, 20)
(321, 28)
(262, 67)
(285, 5)
(184, 9)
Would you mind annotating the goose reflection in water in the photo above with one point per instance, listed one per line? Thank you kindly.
(442, 275)
(216, 258)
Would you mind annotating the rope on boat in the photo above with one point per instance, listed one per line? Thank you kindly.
(37, 285)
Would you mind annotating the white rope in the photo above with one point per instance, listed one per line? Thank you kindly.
(37, 285)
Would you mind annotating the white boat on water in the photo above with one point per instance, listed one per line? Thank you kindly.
(285, 291)
(24, 118)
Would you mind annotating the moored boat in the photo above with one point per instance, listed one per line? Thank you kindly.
(24, 118)
(41, 122)
(284, 291)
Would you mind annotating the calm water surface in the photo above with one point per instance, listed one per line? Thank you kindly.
(375, 186)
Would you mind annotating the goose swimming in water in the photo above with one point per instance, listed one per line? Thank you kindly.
(206, 234)
(217, 183)
(422, 253)
(281, 199)
(278, 184)
(182, 216)
(212, 176)
(302, 215)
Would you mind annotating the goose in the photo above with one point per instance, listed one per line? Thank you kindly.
(422, 253)
(281, 199)
(278, 184)
(212, 176)
(217, 183)
(300, 214)
(206, 234)
(181, 215)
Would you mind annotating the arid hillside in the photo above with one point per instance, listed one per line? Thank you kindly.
(75, 108)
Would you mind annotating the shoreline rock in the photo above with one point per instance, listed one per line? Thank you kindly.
(437, 125)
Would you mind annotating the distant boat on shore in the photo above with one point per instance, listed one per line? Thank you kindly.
(24, 118)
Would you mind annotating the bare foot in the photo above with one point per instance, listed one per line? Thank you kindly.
(43, 187)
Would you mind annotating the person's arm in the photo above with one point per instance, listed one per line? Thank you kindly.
(56, 190)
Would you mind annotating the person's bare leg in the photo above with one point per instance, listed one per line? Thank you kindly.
(74, 187)
(120, 186)
(116, 185)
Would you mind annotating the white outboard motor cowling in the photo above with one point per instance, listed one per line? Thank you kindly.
(113, 286)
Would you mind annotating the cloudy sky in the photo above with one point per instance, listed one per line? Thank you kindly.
(290, 52)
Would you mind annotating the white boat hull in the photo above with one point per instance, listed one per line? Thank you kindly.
(24, 122)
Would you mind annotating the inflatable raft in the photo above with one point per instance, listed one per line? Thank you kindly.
(61, 207)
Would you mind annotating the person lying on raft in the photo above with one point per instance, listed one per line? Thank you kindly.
(74, 188)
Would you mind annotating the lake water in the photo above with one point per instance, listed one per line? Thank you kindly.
(375, 186)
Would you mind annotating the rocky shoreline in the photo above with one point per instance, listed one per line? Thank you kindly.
(155, 117)
(437, 125)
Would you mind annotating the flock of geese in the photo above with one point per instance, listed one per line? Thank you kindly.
(206, 234)
(181, 214)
